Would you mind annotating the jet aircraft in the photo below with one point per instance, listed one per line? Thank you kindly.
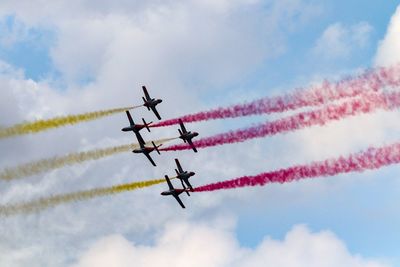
(146, 150)
(184, 176)
(173, 192)
(135, 127)
(187, 136)
(151, 103)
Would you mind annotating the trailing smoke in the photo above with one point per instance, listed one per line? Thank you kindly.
(37, 167)
(368, 103)
(46, 202)
(373, 158)
(42, 125)
(370, 81)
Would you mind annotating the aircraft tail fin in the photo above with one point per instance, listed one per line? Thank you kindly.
(156, 147)
(146, 124)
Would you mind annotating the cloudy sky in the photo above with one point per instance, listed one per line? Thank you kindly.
(62, 57)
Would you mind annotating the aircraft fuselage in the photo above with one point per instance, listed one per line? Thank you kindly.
(136, 128)
(189, 135)
(175, 192)
(185, 175)
(152, 103)
(143, 150)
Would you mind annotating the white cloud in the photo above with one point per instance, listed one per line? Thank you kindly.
(339, 41)
(348, 135)
(184, 244)
(388, 49)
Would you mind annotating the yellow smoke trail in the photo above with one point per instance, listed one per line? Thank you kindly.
(42, 125)
(44, 165)
(46, 202)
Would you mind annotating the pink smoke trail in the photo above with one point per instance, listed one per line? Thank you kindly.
(373, 158)
(366, 104)
(371, 80)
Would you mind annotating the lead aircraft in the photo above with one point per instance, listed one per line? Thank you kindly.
(151, 103)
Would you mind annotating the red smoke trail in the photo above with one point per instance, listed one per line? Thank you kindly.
(371, 80)
(373, 158)
(365, 104)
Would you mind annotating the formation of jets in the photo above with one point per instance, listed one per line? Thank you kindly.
(146, 149)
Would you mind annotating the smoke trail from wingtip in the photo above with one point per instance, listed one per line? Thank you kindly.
(43, 125)
(40, 166)
(369, 81)
(47, 202)
(365, 104)
(373, 158)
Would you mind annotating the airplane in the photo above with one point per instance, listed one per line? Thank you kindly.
(187, 136)
(184, 176)
(173, 192)
(146, 150)
(151, 103)
(135, 127)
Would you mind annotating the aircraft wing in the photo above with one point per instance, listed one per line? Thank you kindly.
(179, 201)
(178, 165)
(169, 183)
(146, 94)
(151, 160)
(156, 112)
(140, 139)
(188, 184)
(129, 117)
(182, 126)
(192, 145)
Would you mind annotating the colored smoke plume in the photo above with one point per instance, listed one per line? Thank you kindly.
(373, 158)
(366, 104)
(40, 166)
(43, 125)
(369, 81)
(46, 202)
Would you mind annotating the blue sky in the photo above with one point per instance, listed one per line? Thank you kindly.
(97, 55)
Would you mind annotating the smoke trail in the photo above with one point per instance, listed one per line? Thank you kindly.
(42, 125)
(44, 165)
(372, 80)
(368, 103)
(46, 202)
(373, 158)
